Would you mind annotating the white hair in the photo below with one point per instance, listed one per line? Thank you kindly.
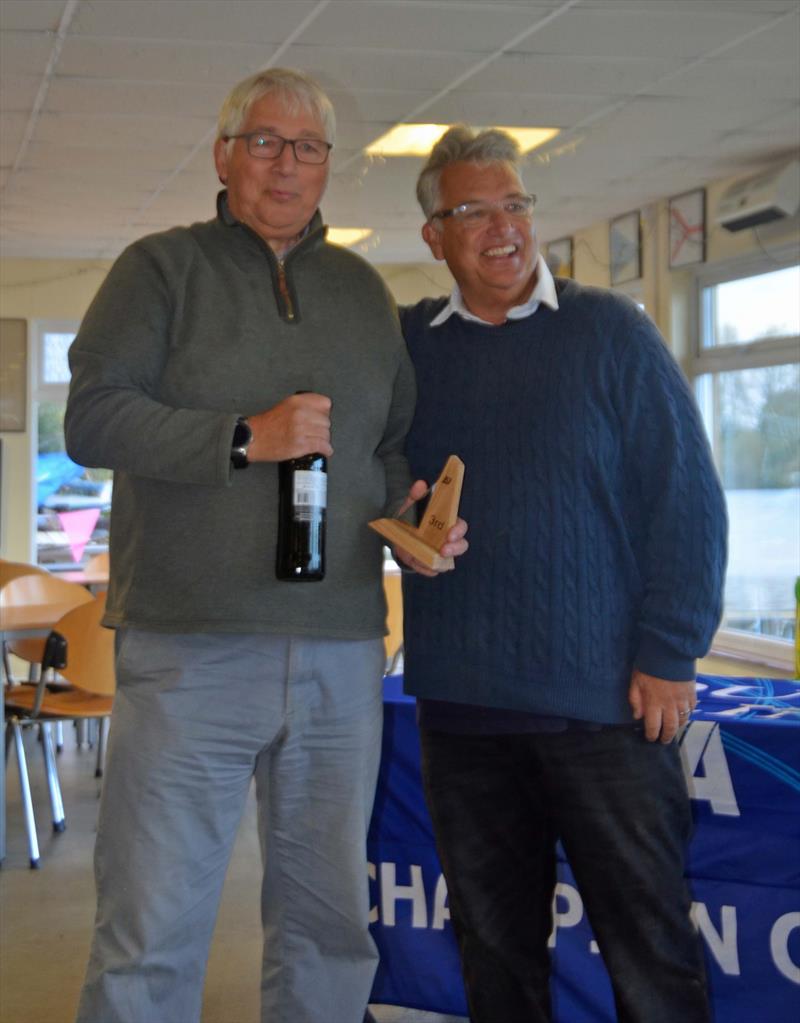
(294, 89)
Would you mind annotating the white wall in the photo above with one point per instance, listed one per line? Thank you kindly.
(33, 289)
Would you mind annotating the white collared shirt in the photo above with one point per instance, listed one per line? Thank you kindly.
(543, 293)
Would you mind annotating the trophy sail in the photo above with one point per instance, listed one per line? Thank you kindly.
(424, 541)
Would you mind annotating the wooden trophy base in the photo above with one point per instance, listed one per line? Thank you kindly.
(423, 542)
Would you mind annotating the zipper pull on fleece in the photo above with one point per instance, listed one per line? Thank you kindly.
(283, 288)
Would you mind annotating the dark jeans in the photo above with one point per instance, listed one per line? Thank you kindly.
(620, 807)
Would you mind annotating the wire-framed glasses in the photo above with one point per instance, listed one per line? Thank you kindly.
(265, 145)
(479, 211)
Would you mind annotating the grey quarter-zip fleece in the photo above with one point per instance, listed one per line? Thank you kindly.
(192, 328)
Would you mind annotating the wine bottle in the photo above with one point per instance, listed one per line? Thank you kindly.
(302, 487)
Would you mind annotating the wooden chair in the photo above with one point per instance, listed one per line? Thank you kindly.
(79, 655)
(97, 570)
(37, 588)
(13, 570)
(100, 563)
(392, 587)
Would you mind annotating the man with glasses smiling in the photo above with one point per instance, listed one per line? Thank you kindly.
(185, 373)
(554, 670)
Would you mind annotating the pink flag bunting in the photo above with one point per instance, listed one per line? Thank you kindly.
(79, 526)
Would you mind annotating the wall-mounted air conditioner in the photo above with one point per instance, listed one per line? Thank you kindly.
(771, 195)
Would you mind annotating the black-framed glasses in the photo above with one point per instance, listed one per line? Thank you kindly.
(479, 211)
(265, 145)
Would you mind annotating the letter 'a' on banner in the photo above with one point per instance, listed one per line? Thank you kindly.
(424, 541)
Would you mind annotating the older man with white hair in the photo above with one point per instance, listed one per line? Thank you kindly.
(186, 373)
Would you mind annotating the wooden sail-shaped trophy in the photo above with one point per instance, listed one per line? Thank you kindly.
(424, 541)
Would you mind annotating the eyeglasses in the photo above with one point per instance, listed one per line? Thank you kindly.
(266, 146)
(478, 212)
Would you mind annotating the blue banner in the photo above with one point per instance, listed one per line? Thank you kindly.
(741, 756)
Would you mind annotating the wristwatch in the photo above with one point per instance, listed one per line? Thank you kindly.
(242, 439)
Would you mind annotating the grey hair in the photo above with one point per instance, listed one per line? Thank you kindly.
(294, 89)
(461, 144)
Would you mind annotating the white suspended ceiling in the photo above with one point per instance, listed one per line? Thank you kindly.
(108, 107)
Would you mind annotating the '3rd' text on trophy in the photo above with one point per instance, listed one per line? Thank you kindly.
(424, 541)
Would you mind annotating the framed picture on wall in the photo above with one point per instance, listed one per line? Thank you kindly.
(559, 257)
(625, 242)
(13, 375)
(687, 228)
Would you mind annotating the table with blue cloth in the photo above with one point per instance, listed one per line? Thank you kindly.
(741, 756)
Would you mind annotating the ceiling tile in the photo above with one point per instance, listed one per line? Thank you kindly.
(24, 53)
(12, 131)
(19, 91)
(108, 131)
(122, 143)
(157, 61)
(77, 95)
(435, 27)
(201, 20)
(666, 30)
(30, 15)
(571, 76)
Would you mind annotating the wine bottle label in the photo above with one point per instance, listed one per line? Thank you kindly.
(309, 493)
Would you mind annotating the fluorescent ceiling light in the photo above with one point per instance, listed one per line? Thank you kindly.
(348, 235)
(419, 139)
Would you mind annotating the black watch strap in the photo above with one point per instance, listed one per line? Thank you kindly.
(242, 437)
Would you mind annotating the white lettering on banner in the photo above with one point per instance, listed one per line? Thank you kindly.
(702, 746)
(373, 910)
(721, 944)
(391, 893)
(779, 945)
(441, 912)
(572, 914)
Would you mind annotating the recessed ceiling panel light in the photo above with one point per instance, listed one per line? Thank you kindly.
(419, 139)
(347, 236)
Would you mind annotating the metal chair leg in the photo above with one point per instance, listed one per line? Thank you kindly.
(81, 733)
(7, 675)
(53, 783)
(59, 736)
(102, 739)
(27, 802)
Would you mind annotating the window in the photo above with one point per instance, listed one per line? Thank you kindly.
(72, 503)
(747, 378)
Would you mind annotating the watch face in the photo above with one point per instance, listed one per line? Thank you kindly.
(239, 458)
(242, 436)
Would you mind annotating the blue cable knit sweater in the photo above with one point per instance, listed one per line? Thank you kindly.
(597, 524)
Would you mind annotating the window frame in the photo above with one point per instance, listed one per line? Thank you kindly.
(702, 362)
(41, 392)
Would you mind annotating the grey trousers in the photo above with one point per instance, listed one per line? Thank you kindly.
(195, 718)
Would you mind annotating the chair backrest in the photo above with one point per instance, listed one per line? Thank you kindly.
(90, 648)
(41, 588)
(13, 569)
(99, 564)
